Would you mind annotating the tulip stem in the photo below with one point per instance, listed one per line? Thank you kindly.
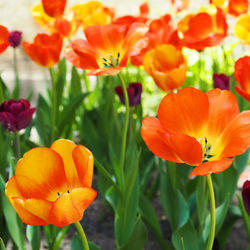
(1, 92)
(83, 237)
(17, 144)
(125, 128)
(212, 211)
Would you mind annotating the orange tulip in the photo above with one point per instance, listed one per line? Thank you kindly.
(107, 47)
(200, 129)
(160, 31)
(205, 29)
(242, 28)
(65, 25)
(167, 65)
(54, 8)
(180, 5)
(237, 7)
(242, 76)
(92, 13)
(129, 19)
(52, 185)
(45, 50)
(4, 36)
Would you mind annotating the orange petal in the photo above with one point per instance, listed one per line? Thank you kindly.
(25, 215)
(212, 167)
(185, 112)
(107, 71)
(69, 207)
(187, 148)
(242, 93)
(151, 132)
(37, 177)
(65, 148)
(223, 107)
(54, 8)
(4, 35)
(235, 139)
(12, 190)
(84, 163)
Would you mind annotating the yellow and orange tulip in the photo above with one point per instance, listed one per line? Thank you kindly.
(52, 185)
(242, 77)
(167, 66)
(200, 129)
(4, 36)
(242, 28)
(92, 13)
(45, 50)
(65, 25)
(107, 47)
(204, 29)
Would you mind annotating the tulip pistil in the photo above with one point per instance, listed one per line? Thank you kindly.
(111, 61)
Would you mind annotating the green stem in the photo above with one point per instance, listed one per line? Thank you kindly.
(106, 174)
(59, 238)
(54, 104)
(17, 145)
(86, 81)
(83, 237)
(125, 128)
(1, 92)
(15, 65)
(212, 211)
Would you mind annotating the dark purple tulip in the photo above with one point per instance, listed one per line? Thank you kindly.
(16, 115)
(246, 196)
(15, 38)
(221, 81)
(134, 93)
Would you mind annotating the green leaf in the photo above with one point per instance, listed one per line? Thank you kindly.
(2, 247)
(92, 246)
(34, 236)
(186, 238)
(240, 161)
(137, 238)
(68, 112)
(76, 243)
(173, 203)
(149, 215)
(75, 82)
(14, 228)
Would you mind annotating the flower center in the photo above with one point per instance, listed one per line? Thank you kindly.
(60, 193)
(206, 151)
(111, 61)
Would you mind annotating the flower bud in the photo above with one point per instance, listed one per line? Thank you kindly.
(221, 81)
(15, 38)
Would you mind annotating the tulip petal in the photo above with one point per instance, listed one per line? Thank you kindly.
(25, 215)
(185, 112)
(65, 149)
(84, 163)
(223, 107)
(40, 174)
(242, 93)
(235, 139)
(69, 207)
(24, 118)
(212, 167)
(11, 189)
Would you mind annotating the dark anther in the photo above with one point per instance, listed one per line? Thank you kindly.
(104, 59)
(58, 193)
(68, 191)
(118, 55)
(206, 140)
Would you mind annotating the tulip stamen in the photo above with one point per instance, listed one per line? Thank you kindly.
(111, 61)
(206, 150)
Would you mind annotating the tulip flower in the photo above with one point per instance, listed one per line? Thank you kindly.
(4, 36)
(167, 66)
(129, 19)
(221, 81)
(54, 8)
(242, 28)
(16, 115)
(65, 25)
(233, 7)
(15, 38)
(237, 7)
(106, 48)
(200, 129)
(242, 77)
(204, 29)
(52, 185)
(160, 31)
(45, 50)
(92, 13)
(180, 5)
(134, 93)
(246, 196)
